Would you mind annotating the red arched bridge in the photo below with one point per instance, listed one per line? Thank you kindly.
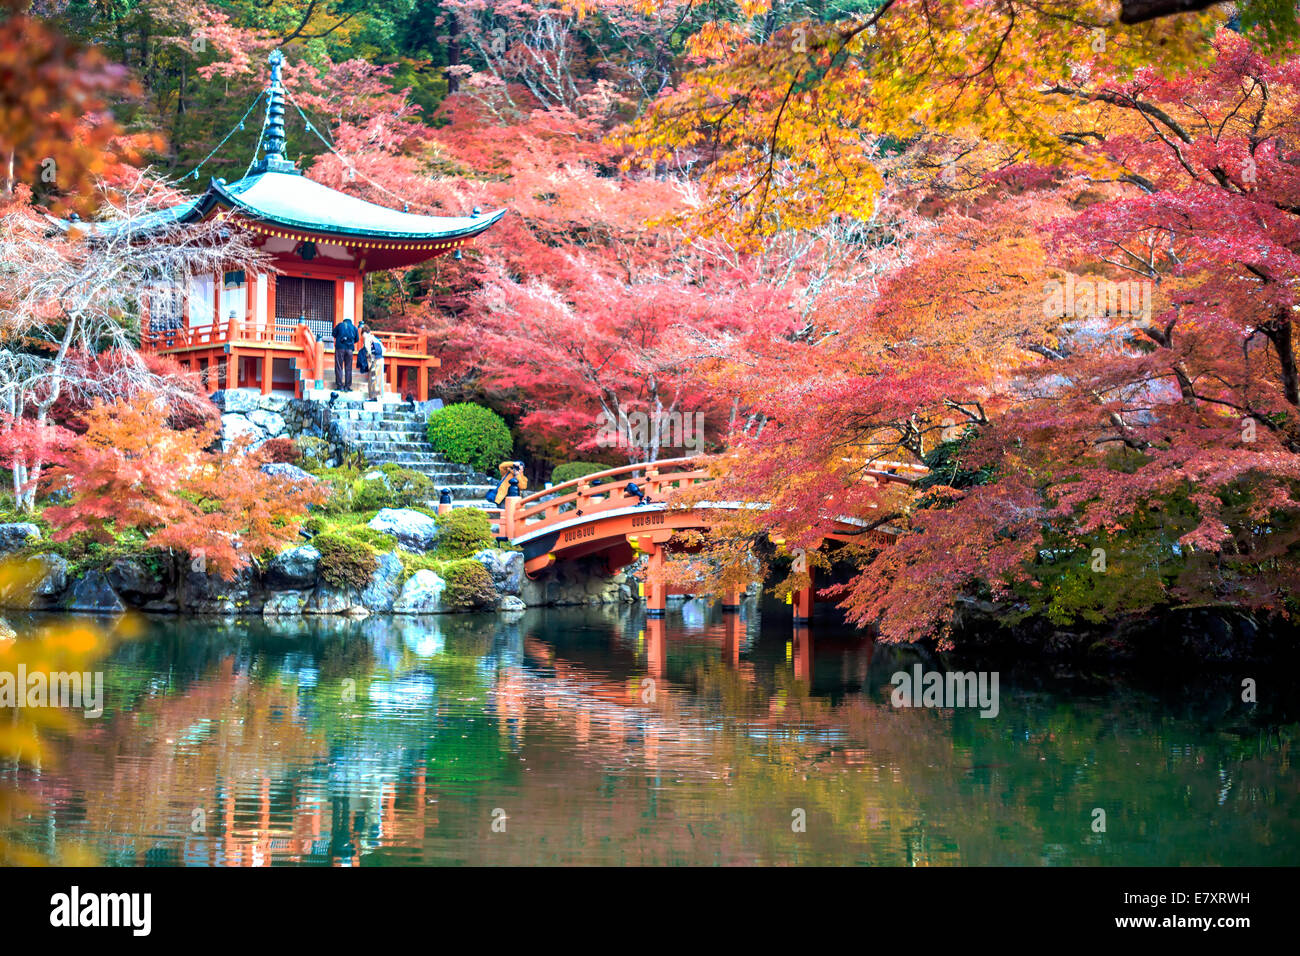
(622, 512)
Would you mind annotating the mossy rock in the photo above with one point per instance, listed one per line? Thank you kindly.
(345, 562)
(462, 532)
(469, 586)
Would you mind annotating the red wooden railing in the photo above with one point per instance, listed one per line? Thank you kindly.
(607, 491)
(282, 332)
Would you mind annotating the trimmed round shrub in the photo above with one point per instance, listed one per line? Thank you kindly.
(576, 469)
(469, 434)
(344, 561)
(463, 531)
(280, 450)
(469, 586)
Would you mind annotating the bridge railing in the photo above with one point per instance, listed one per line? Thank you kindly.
(601, 491)
(607, 491)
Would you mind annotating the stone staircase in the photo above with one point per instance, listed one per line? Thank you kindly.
(393, 432)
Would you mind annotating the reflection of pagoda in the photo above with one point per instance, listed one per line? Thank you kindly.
(271, 330)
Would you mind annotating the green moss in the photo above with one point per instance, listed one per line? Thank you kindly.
(371, 494)
(463, 531)
(469, 586)
(409, 488)
(345, 562)
(469, 434)
(313, 452)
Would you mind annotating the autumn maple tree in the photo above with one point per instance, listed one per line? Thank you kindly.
(129, 470)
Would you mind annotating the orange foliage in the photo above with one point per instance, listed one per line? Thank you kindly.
(129, 470)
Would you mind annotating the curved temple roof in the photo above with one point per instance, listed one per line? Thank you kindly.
(277, 194)
(293, 201)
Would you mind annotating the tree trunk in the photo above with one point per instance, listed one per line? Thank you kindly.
(1280, 336)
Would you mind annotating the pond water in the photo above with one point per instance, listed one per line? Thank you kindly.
(570, 736)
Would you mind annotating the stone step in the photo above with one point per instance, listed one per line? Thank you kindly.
(392, 447)
(378, 436)
(424, 455)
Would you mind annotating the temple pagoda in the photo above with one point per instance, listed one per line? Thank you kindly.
(272, 330)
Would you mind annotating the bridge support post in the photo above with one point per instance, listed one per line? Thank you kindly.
(656, 647)
(803, 603)
(656, 594)
(733, 635)
(731, 600)
(802, 653)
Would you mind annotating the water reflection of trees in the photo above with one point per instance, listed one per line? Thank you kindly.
(393, 740)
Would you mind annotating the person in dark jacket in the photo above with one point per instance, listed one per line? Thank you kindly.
(345, 340)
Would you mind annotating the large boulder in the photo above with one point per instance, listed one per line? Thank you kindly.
(269, 422)
(147, 584)
(511, 603)
(202, 592)
(37, 582)
(280, 603)
(16, 535)
(331, 600)
(584, 581)
(235, 427)
(52, 578)
(92, 594)
(412, 529)
(293, 569)
(238, 400)
(282, 469)
(421, 594)
(506, 568)
(385, 584)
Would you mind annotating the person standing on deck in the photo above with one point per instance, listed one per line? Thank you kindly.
(374, 351)
(345, 340)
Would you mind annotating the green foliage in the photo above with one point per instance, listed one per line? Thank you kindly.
(371, 494)
(313, 452)
(575, 469)
(469, 434)
(463, 531)
(343, 482)
(469, 586)
(345, 562)
(84, 553)
(410, 488)
(948, 466)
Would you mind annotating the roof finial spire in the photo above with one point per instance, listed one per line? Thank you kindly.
(273, 151)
